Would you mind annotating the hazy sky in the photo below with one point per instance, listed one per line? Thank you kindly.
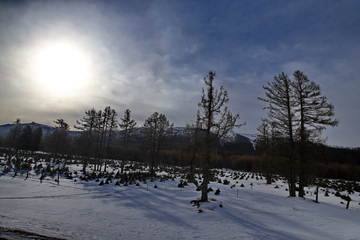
(60, 58)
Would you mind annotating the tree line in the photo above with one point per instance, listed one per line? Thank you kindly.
(287, 141)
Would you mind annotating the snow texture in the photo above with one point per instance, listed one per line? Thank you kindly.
(85, 210)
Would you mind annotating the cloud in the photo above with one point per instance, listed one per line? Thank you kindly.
(152, 56)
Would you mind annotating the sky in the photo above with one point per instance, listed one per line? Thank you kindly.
(61, 58)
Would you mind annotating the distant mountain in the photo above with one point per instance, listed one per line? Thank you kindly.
(240, 144)
(4, 129)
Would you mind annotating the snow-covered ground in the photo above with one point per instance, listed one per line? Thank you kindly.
(85, 210)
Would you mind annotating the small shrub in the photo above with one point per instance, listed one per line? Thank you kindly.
(242, 185)
(217, 192)
(155, 186)
(101, 183)
(276, 186)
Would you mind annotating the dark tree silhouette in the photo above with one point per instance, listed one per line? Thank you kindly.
(127, 126)
(157, 133)
(279, 96)
(315, 113)
(13, 135)
(85, 140)
(216, 122)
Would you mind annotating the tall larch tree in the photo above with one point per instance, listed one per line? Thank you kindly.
(86, 138)
(216, 123)
(157, 133)
(127, 126)
(315, 113)
(281, 115)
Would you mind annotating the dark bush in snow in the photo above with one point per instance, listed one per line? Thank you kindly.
(226, 182)
(217, 192)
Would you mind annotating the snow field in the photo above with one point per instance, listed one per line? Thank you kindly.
(85, 210)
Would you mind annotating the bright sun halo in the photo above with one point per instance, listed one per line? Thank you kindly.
(61, 68)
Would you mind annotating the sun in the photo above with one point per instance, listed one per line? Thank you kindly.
(61, 67)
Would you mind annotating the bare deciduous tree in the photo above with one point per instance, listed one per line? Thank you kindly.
(216, 122)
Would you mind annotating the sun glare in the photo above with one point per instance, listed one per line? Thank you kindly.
(61, 68)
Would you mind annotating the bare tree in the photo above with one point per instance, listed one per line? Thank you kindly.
(299, 113)
(111, 127)
(315, 113)
(13, 135)
(157, 133)
(216, 122)
(281, 115)
(192, 146)
(263, 145)
(105, 126)
(127, 126)
(86, 139)
(58, 141)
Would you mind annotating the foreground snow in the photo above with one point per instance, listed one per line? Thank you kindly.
(85, 210)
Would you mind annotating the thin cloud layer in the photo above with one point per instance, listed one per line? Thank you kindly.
(152, 56)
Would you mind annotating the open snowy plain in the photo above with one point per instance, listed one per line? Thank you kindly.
(84, 210)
